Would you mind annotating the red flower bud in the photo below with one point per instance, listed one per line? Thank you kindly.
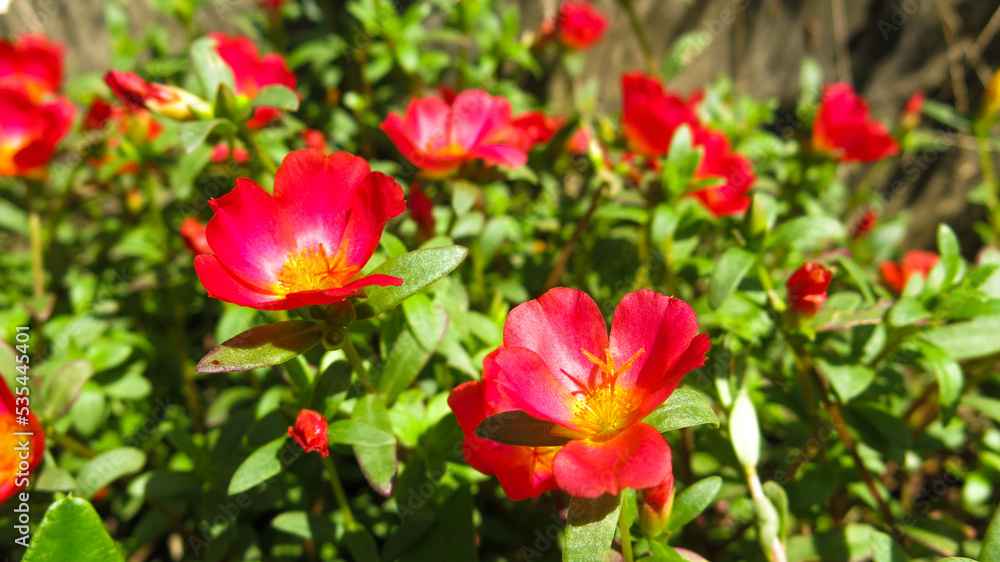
(161, 99)
(580, 24)
(807, 288)
(309, 432)
(655, 504)
(193, 233)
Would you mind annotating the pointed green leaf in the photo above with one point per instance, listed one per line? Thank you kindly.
(276, 96)
(907, 312)
(263, 464)
(210, 67)
(417, 270)
(72, 530)
(356, 432)
(949, 376)
(806, 231)
(991, 541)
(732, 266)
(684, 408)
(377, 462)
(847, 379)
(404, 364)
(107, 467)
(590, 527)
(194, 133)
(262, 346)
(744, 430)
(693, 500)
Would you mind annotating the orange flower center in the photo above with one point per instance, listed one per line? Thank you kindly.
(603, 407)
(313, 270)
(450, 150)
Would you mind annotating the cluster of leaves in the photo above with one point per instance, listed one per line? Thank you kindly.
(870, 431)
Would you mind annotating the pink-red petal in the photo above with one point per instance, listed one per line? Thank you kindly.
(637, 457)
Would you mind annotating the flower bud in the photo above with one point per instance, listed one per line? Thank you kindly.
(911, 113)
(654, 506)
(309, 432)
(807, 288)
(161, 99)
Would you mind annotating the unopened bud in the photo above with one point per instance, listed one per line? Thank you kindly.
(654, 506)
(161, 99)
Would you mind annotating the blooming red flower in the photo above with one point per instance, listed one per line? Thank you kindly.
(655, 505)
(193, 233)
(734, 169)
(529, 129)
(252, 72)
(580, 24)
(100, 113)
(161, 99)
(306, 244)
(915, 262)
(30, 131)
(32, 63)
(844, 130)
(15, 468)
(523, 472)
(558, 364)
(807, 287)
(438, 137)
(422, 211)
(309, 432)
(651, 115)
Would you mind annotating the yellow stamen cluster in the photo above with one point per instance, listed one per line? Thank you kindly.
(312, 270)
(603, 407)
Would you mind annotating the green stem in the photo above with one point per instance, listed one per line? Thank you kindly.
(37, 256)
(338, 491)
(623, 529)
(765, 280)
(989, 178)
(640, 35)
(262, 156)
(359, 367)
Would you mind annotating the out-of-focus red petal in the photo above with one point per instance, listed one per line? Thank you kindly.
(844, 129)
(476, 116)
(637, 457)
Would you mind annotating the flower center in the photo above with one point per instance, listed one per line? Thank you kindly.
(450, 150)
(313, 270)
(603, 407)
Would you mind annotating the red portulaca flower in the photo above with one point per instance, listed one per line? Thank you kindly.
(193, 233)
(32, 63)
(30, 131)
(915, 262)
(306, 244)
(844, 129)
(864, 224)
(222, 153)
(530, 129)
(523, 472)
(912, 112)
(439, 137)
(735, 170)
(309, 432)
(161, 99)
(580, 24)
(651, 115)
(315, 139)
(558, 364)
(17, 465)
(807, 288)
(252, 72)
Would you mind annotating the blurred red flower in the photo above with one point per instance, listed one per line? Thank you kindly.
(529, 129)
(651, 115)
(315, 139)
(438, 137)
(912, 112)
(30, 131)
(721, 162)
(422, 211)
(807, 288)
(161, 99)
(915, 262)
(32, 63)
(864, 225)
(557, 364)
(193, 233)
(844, 129)
(14, 467)
(221, 153)
(310, 432)
(580, 24)
(253, 72)
(523, 472)
(307, 243)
